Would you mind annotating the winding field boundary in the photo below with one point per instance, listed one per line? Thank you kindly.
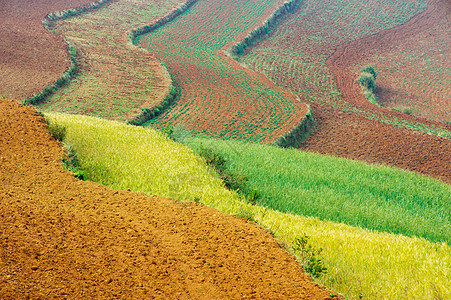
(48, 23)
(346, 55)
(229, 52)
(174, 91)
(291, 138)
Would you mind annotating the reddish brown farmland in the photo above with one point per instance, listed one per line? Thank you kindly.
(115, 80)
(219, 97)
(64, 238)
(414, 64)
(31, 58)
(348, 124)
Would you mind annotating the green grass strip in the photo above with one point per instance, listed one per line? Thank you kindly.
(370, 196)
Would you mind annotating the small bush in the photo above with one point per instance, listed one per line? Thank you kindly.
(233, 181)
(254, 196)
(367, 82)
(71, 162)
(310, 257)
(369, 70)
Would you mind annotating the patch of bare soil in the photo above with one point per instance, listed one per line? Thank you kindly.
(31, 58)
(65, 238)
(351, 136)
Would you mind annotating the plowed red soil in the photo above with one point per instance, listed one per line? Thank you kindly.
(350, 136)
(31, 58)
(414, 69)
(65, 238)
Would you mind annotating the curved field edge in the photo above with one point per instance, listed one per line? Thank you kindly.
(299, 132)
(246, 101)
(361, 263)
(263, 61)
(174, 91)
(291, 138)
(48, 22)
(259, 32)
(369, 196)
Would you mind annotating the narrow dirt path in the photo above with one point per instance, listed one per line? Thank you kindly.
(64, 238)
(350, 136)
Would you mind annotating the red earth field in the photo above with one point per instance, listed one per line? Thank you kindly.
(414, 66)
(31, 58)
(303, 38)
(423, 153)
(219, 97)
(65, 238)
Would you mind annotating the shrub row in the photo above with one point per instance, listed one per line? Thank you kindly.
(148, 113)
(168, 18)
(298, 133)
(254, 35)
(49, 20)
(69, 74)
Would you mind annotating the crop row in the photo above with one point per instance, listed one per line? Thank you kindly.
(216, 97)
(362, 264)
(295, 54)
(113, 81)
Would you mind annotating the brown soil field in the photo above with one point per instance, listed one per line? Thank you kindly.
(218, 97)
(414, 67)
(370, 140)
(65, 238)
(292, 57)
(31, 58)
(114, 80)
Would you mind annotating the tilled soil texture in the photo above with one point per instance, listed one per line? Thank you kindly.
(320, 62)
(414, 59)
(31, 58)
(423, 153)
(218, 97)
(65, 238)
(414, 66)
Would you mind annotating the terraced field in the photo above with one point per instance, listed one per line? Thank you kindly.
(413, 70)
(218, 97)
(314, 46)
(384, 233)
(114, 80)
(24, 73)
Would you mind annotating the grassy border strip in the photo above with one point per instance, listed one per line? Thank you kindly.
(134, 33)
(299, 132)
(296, 135)
(174, 91)
(51, 18)
(257, 33)
(68, 75)
(149, 113)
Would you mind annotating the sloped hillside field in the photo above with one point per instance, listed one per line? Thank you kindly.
(114, 80)
(65, 238)
(310, 53)
(31, 58)
(217, 96)
(414, 66)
